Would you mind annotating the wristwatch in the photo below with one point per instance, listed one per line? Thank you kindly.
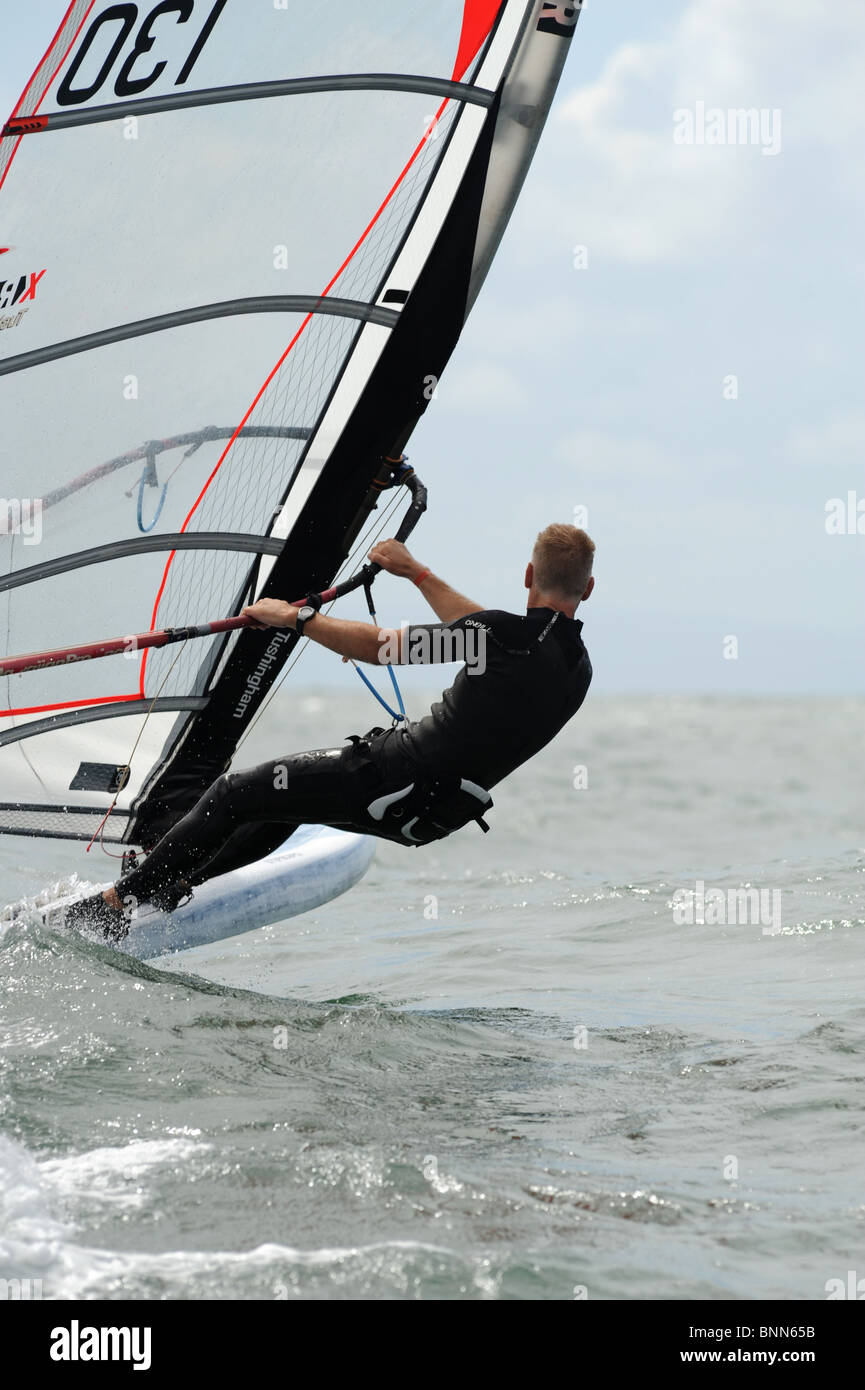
(303, 617)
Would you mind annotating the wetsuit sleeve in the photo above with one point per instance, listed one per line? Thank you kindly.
(465, 639)
(434, 644)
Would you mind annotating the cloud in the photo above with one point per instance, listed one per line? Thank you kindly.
(600, 459)
(634, 195)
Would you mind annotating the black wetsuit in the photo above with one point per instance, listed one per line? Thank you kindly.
(523, 680)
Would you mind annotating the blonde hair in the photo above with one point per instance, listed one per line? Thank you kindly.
(562, 560)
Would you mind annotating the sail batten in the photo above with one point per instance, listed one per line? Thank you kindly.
(142, 545)
(201, 313)
(252, 91)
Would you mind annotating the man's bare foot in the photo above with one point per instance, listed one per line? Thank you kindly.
(110, 896)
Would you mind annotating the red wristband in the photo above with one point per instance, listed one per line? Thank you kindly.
(424, 574)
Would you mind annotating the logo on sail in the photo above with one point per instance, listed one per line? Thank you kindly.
(558, 18)
(254, 679)
(18, 293)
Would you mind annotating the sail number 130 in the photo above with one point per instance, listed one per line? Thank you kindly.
(133, 77)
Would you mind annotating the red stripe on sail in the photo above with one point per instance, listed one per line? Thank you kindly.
(478, 19)
(38, 69)
(69, 704)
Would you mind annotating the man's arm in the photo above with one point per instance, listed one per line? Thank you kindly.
(363, 641)
(446, 603)
(353, 641)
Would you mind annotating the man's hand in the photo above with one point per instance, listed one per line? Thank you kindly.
(445, 602)
(271, 612)
(396, 559)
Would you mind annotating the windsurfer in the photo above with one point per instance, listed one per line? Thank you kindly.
(412, 783)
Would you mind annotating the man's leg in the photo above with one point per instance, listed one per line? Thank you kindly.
(243, 846)
(242, 816)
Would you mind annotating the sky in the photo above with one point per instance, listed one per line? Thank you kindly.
(668, 350)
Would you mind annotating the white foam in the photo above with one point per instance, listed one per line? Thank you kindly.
(113, 1175)
(31, 1234)
(37, 1243)
(34, 911)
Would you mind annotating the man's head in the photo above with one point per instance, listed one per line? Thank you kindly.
(559, 574)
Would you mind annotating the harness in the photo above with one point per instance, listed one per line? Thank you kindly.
(417, 812)
(415, 806)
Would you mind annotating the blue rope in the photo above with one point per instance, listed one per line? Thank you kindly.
(159, 507)
(397, 718)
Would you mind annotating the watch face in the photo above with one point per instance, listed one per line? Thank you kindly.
(306, 613)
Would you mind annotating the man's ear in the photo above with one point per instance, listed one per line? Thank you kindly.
(530, 575)
(589, 587)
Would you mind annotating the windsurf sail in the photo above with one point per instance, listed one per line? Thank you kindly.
(237, 247)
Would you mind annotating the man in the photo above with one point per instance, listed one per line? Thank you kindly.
(523, 680)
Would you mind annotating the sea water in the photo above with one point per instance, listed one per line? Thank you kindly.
(573, 1058)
